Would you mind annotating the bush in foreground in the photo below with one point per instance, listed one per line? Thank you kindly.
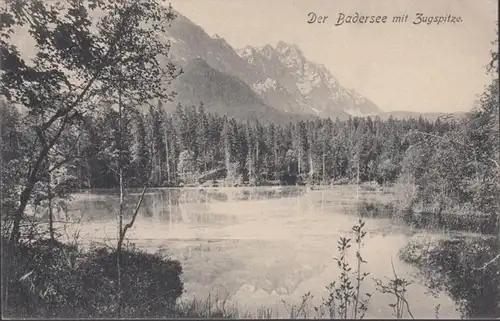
(150, 284)
(50, 279)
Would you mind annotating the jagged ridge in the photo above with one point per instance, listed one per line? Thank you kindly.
(280, 75)
(312, 85)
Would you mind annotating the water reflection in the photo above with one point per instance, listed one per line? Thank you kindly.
(259, 245)
(462, 267)
(171, 204)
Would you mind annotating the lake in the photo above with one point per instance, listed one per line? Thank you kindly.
(258, 246)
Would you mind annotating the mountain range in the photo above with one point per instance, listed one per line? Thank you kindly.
(272, 82)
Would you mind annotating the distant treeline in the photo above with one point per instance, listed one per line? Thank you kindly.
(190, 144)
(451, 162)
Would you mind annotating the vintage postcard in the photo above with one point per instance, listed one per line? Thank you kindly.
(331, 159)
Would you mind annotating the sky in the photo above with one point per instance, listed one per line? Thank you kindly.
(399, 66)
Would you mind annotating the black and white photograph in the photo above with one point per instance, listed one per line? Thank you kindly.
(249, 159)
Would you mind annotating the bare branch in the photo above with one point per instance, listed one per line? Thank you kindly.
(495, 162)
(451, 141)
(488, 263)
(139, 203)
(63, 111)
(136, 211)
(439, 137)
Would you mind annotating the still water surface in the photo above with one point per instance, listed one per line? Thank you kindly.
(258, 246)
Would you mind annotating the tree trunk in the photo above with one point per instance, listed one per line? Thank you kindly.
(120, 211)
(18, 214)
(323, 160)
(51, 214)
(160, 169)
(311, 166)
(357, 178)
(250, 172)
(275, 162)
(300, 156)
(167, 151)
(26, 193)
(257, 167)
(227, 158)
(119, 246)
(89, 174)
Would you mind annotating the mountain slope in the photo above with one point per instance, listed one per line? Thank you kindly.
(189, 41)
(312, 85)
(278, 82)
(223, 94)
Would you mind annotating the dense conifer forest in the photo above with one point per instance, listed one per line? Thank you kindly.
(453, 162)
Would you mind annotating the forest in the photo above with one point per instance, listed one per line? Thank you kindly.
(451, 161)
(192, 146)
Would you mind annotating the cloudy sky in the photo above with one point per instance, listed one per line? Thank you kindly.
(399, 66)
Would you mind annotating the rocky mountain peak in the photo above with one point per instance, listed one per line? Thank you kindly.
(313, 86)
(279, 74)
(267, 51)
(288, 48)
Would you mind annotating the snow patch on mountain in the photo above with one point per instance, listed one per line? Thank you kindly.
(315, 110)
(359, 99)
(265, 85)
(291, 58)
(356, 112)
(246, 52)
(278, 73)
(312, 85)
(167, 37)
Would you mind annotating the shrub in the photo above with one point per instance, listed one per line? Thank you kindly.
(462, 266)
(150, 283)
(376, 210)
(345, 297)
(50, 279)
(38, 279)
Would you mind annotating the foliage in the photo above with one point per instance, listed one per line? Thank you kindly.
(456, 265)
(43, 282)
(397, 288)
(150, 283)
(345, 299)
(56, 280)
(84, 51)
(455, 165)
(13, 144)
(213, 306)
